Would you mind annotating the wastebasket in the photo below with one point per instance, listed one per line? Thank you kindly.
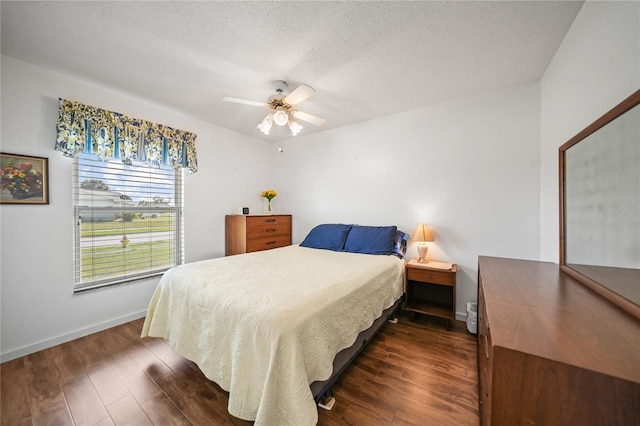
(472, 317)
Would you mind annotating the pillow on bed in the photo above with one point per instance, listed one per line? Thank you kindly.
(400, 244)
(371, 239)
(330, 236)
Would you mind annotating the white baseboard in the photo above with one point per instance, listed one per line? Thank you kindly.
(67, 337)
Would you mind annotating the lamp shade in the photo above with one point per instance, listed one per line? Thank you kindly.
(294, 127)
(423, 234)
(265, 125)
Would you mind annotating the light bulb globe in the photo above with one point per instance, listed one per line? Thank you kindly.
(280, 118)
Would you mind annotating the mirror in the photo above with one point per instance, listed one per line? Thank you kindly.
(600, 206)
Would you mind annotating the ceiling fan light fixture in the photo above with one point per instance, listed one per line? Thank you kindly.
(294, 127)
(281, 108)
(280, 117)
(265, 125)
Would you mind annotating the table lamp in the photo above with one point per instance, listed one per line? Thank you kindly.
(423, 235)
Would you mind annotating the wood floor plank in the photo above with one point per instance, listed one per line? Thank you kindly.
(107, 383)
(351, 409)
(407, 416)
(187, 400)
(148, 361)
(44, 376)
(139, 384)
(105, 422)
(72, 359)
(48, 405)
(368, 396)
(113, 344)
(132, 330)
(50, 409)
(14, 394)
(127, 411)
(443, 387)
(370, 359)
(84, 402)
(162, 411)
(164, 352)
(442, 397)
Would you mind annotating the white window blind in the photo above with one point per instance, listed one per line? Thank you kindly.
(128, 221)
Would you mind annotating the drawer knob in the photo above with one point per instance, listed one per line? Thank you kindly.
(270, 220)
(270, 243)
(270, 230)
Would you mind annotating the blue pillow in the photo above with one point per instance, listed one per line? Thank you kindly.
(371, 239)
(327, 236)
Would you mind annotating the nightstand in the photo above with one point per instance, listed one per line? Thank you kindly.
(431, 291)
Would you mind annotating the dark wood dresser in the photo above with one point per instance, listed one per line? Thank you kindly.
(551, 351)
(249, 233)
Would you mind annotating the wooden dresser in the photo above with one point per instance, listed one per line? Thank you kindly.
(551, 351)
(249, 233)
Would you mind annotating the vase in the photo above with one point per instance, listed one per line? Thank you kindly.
(21, 194)
(268, 206)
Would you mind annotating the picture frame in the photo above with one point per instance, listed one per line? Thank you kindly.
(24, 179)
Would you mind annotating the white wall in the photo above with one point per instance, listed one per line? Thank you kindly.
(468, 168)
(595, 68)
(38, 307)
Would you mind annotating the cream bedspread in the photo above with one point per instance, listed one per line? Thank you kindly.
(265, 325)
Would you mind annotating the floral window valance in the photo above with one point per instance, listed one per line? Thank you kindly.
(110, 135)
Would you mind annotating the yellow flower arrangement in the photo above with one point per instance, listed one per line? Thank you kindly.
(269, 194)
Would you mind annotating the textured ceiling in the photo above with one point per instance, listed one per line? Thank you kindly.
(364, 59)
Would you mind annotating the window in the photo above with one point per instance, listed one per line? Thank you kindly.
(128, 221)
(128, 193)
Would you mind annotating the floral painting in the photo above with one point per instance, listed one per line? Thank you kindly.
(23, 179)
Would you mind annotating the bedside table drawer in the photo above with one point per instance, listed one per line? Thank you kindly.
(431, 276)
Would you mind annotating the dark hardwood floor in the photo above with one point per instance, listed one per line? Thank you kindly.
(410, 374)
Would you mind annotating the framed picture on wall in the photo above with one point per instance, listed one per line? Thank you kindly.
(23, 179)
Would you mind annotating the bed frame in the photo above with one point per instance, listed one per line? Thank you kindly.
(322, 390)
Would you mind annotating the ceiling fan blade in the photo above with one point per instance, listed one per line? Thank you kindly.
(301, 93)
(243, 101)
(313, 119)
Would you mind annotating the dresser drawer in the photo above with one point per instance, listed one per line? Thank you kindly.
(263, 221)
(431, 276)
(485, 359)
(260, 230)
(258, 244)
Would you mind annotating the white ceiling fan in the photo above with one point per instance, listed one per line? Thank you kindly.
(282, 112)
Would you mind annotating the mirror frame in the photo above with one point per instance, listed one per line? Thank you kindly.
(613, 297)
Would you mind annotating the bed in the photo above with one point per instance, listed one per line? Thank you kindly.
(268, 325)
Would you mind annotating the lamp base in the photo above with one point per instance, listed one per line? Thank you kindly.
(422, 252)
